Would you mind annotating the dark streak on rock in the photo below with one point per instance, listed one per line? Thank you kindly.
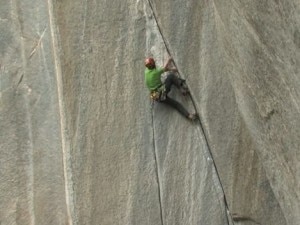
(238, 218)
(297, 38)
(270, 114)
(20, 80)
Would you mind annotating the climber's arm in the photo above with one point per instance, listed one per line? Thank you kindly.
(167, 66)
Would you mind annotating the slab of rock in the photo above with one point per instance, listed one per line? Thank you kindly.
(242, 63)
(32, 184)
(81, 143)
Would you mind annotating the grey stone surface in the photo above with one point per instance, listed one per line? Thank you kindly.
(81, 143)
(242, 63)
(32, 182)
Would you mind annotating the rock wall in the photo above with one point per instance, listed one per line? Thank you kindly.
(82, 144)
(32, 173)
(250, 51)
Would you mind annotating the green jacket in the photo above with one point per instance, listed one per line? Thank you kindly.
(153, 78)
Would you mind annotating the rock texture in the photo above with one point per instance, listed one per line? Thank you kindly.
(32, 187)
(81, 143)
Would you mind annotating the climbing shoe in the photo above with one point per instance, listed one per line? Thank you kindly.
(193, 116)
(184, 91)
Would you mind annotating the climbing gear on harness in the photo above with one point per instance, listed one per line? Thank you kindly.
(159, 94)
(149, 63)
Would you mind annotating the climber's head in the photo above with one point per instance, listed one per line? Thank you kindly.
(150, 63)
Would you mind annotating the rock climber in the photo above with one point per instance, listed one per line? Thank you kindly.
(159, 90)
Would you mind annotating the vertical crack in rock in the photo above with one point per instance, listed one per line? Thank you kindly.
(201, 127)
(30, 185)
(65, 145)
(159, 28)
(156, 165)
(202, 132)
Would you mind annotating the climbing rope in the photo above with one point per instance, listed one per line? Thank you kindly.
(156, 164)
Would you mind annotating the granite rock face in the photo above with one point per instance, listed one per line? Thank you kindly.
(81, 143)
(32, 185)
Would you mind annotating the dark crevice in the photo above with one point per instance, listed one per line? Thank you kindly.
(202, 131)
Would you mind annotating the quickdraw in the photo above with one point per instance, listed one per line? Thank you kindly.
(155, 95)
(159, 94)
